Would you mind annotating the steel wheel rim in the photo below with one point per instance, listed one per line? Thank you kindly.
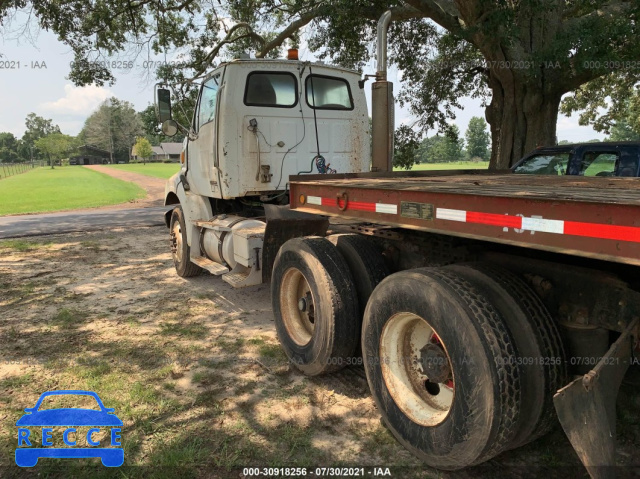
(404, 338)
(176, 242)
(297, 306)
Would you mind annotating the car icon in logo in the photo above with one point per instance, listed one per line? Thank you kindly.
(70, 417)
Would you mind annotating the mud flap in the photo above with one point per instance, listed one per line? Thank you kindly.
(284, 224)
(586, 407)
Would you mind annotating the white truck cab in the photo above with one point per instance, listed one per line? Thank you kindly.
(257, 122)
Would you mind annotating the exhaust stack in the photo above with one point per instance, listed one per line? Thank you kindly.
(382, 105)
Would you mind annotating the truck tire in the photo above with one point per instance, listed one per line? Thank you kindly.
(436, 355)
(315, 306)
(180, 249)
(537, 339)
(365, 262)
(367, 268)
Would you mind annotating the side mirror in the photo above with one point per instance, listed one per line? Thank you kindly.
(164, 105)
(170, 127)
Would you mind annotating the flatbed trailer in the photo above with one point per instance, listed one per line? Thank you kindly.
(591, 217)
(520, 290)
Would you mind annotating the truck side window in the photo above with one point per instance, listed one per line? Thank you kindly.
(598, 163)
(544, 164)
(329, 93)
(274, 89)
(207, 110)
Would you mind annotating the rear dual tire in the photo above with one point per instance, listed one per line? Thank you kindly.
(480, 322)
(484, 408)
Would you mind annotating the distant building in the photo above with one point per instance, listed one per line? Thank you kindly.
(90, 155)
(166, 151)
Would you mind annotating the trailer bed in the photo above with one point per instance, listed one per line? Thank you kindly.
(597, 217)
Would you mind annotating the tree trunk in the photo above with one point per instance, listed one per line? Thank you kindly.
(522, 117)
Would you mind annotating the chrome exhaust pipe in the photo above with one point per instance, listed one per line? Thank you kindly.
(382, 105)
(383, 26)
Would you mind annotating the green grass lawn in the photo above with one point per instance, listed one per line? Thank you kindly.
(158, 170)
(457, 165)
(65, 188)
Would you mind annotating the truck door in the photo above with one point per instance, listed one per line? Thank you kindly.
(201, 151)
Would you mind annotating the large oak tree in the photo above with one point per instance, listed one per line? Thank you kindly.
(519, 56)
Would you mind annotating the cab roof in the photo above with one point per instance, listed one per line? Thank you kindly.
(288, 63)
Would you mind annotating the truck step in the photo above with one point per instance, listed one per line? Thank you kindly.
(211, 266)
(241, 277)
(235, 279)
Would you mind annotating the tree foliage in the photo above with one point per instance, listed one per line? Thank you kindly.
(56, 146)
(477, 138)
(37, 127)
(142, 148)
(9, 146)
(519, 58)
(621, 130)
(445, 148)
(113, 127)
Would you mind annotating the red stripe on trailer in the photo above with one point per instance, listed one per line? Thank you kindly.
(573, 228)
(540, 225)
(351, 205)
(595, 230)
(359, 205)
(493, 219)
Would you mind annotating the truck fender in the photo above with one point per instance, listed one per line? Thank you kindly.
(194, 207)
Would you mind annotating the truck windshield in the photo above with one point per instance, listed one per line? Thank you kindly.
(544, 164)
(329, 93)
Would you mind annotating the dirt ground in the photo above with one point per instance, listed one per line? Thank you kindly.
(194, 370)
(153, 186)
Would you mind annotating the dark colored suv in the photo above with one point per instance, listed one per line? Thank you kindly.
(583, 159)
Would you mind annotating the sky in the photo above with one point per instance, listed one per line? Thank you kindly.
(36, 64)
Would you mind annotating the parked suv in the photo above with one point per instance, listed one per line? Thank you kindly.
(586, 159)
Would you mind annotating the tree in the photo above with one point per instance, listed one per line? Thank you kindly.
(477, 138)
(113, 127)
(450, 148)
(623, 131)
(445, 148)
(605, 102)
(37, 127)
(55, 146)
(143, 148)
(520, 57)
(9, 146)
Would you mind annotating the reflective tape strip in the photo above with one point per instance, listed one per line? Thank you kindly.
(594, 230)
(574, 228)
(385, 208)
(359, 205)
(542, 225)
(452, 215)
(494, 220)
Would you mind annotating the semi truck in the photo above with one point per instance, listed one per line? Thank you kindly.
(484, 306)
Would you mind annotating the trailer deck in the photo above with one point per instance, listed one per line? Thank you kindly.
(597, 217)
